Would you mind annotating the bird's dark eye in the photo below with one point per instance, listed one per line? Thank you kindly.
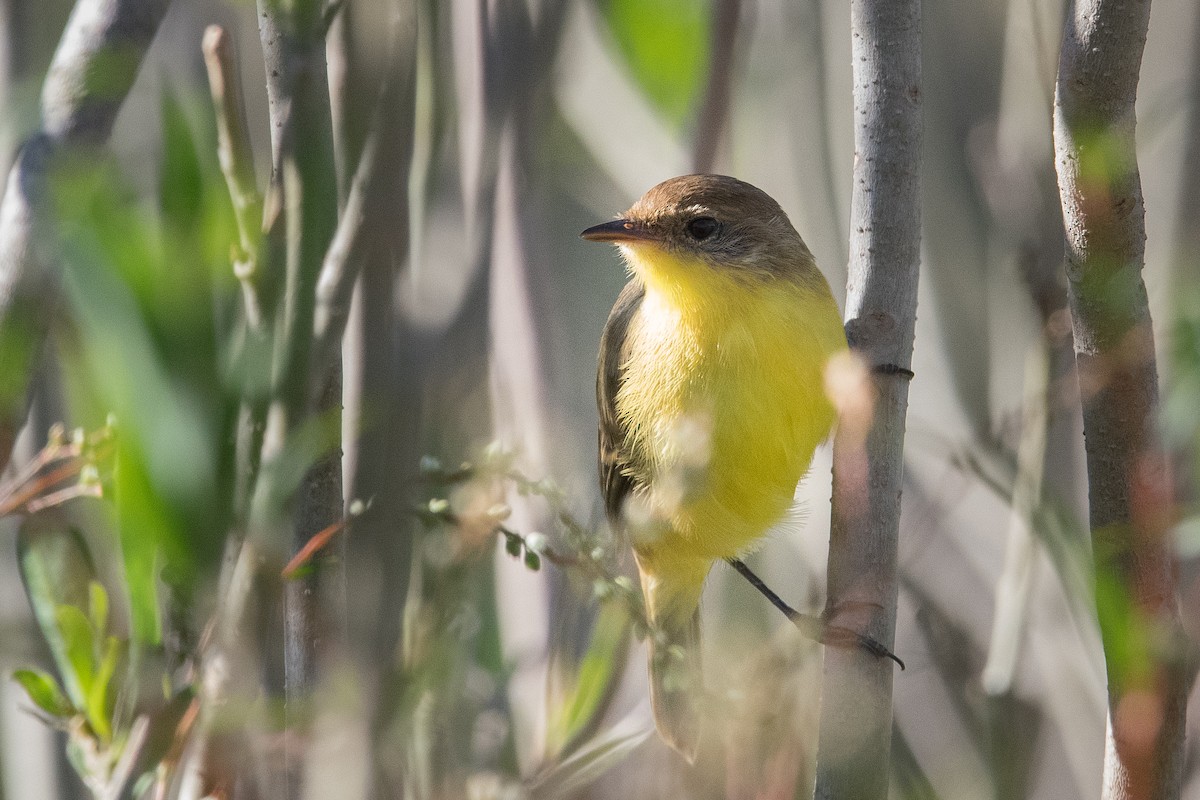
(702, 228)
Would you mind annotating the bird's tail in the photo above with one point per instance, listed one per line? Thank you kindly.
(676, 682)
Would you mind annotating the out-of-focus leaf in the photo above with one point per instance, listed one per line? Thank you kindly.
(589, 763)
(98, 607)
(146, 291)
(180, 182)
(512, 546)
(143, 520)
(57, 570)
(601, 666)
(532, 560)
(908, 777)
(43, 691)
(665, 44)
(99, 697)
(161, 734)
(1127, 634)
(80, 654)
(313, 438)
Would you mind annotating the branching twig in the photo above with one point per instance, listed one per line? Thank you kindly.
(39, 484)
(586, 558)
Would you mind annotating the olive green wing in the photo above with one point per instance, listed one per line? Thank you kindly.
(614, 459)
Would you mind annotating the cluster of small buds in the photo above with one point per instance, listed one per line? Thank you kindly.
(584, 552)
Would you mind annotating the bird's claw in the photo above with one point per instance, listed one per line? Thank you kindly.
(835, 636)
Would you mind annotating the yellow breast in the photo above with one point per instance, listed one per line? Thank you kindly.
(723, 399)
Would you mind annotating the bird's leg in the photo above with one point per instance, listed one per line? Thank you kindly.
(812, 626)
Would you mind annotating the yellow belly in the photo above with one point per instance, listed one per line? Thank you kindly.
(724, 403)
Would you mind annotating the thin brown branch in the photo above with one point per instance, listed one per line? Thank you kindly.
(56, 448)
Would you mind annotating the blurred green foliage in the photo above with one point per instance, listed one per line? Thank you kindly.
(665, 45)
(151, 298)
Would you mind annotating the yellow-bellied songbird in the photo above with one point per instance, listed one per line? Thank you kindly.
(712, 400)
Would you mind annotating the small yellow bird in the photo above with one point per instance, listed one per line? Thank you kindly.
(711, 398)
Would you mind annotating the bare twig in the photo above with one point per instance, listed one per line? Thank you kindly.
(237, 164)
(106, 37)
(856, 709)
(1129, 494)
(39, 484)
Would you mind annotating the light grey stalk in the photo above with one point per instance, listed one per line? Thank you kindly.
(881, 299)
(303, 198)
(105, 38)
(1128, 485)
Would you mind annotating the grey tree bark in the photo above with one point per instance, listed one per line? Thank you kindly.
(885, 231)
(1101, 194)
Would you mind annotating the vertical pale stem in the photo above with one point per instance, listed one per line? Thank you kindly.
(856, 712)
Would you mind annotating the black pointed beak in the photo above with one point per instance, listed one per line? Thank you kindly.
(619, 230)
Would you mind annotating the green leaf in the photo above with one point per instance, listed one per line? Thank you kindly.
(599, 671)
(141, 293)
(57, 569)
(512, 545)
(98, 607)
(143, 518)
(180, 180)
(99, 707)
(665, 44)
(44, 692)
(79, 669)
(532, 560)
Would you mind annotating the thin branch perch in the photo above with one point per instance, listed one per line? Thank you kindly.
(881, 301)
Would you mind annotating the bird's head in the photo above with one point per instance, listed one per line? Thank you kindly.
(711, 221)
